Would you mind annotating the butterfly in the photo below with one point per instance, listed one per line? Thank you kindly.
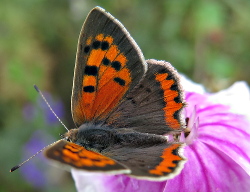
(122, 105)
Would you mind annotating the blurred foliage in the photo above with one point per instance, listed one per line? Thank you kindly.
(206, 40)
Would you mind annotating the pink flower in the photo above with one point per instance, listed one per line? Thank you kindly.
(218, 148)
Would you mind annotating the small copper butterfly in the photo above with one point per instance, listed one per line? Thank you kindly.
(122, 106)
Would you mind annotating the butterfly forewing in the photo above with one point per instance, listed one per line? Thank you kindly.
(108, 64)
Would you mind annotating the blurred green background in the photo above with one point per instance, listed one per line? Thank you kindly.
(208, 41)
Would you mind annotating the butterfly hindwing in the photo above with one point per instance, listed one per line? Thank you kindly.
(154, 105)
(159, 162)
(108, 64)
(78, 157)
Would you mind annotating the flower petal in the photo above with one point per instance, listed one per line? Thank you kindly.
(237, 97)
(95, 182)
(206, 170)
(228, 132)
(191, 86)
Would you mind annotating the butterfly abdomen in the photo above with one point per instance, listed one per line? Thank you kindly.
(135, 139)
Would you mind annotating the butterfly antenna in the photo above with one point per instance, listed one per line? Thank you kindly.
(38, 90)
(18, 166)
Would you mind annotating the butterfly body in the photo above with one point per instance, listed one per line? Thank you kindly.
(122, 105)
(102, 138)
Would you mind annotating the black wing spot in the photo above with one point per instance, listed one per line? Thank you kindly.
(96, 44)
(171, 168)
(169, 77)
(148, 90)
(105, 45)
(175, 162)
(105, 61)
(116, 65)
(89, 89)
(86, 49)
(161, 71)
(141, 86)
(176, 114)
(119, 81)
(91, 70)
(174, 87)
(132, 100)
(177, 99)
(175, 152)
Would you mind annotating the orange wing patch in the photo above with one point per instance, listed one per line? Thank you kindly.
(171, 98)
(81, 158)
(169, 161)
(105, 80)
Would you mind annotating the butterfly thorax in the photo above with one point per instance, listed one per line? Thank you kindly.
(99, 138)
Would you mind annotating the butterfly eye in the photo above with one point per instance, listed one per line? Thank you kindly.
(67, 139)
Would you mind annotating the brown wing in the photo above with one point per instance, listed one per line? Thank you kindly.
(155, 105)
(78, 157)
(158, 163)
(108, 64)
